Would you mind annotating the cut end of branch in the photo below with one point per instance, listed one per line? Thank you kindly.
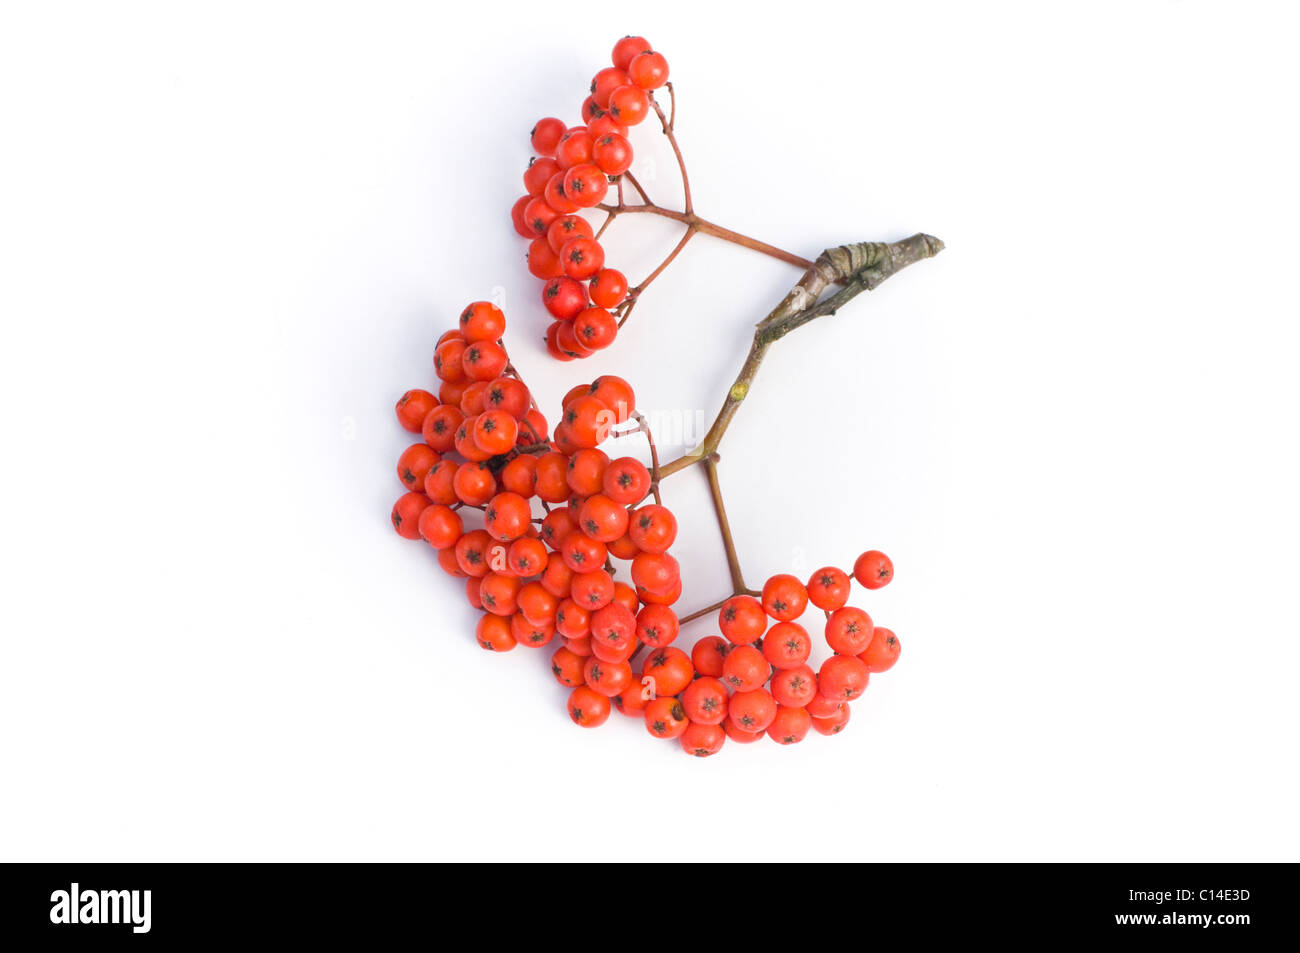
(859, 267)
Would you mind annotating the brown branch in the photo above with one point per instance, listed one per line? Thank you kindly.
(693, 222)
(728, 543)
(861, 267)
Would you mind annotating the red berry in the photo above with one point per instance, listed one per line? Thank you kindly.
(594, 590)
(795, 687)
(586, 472)
(787, 645)
(414, 464)
(745, 669)
(538, 216)
(581, 258)
(484, 360)
(670, 668)
(742, 619)
(657, 626)
(627, 48)
(873, 569)
(588, 708)
(790, 726)
(705, 701)
(834, 724)
(553, 342)
(626, 480)
(535, 601)
(605, 82)
(507, 517)
(568, 341)
(440, 427)
(406, 514)
(739, 735)
(533, 635)
(574, 622)
(608, 287)
(588, 421)
(441, 526)
(784, 597)
(752, 710)
(604, 125)
(629, 104)
(499, 592)
(585, 185)
(819, 706)
(632, 701)
(557, 198)
(413, 407)
(440, 482)
(493, 633)
(574, 148)
(538, 173)
(842, 676)
(510, 395)
(542, 261)
(828, 588)
(648, 70)
(708, 655)
(657, 573)
(607, 677)
(517, 217)
(495, 432)
(567, 667)
(665, 718)
(602, 519)
(566, 227)
(613, 625)
(882, 652)
(616, 394)
(702, 740)
(653, 528)
(848, 631)
(546, 136)
(474, 483)
(564, 298)
(612, 154)
(595, 328)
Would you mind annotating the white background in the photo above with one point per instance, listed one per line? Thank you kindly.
(231, 233)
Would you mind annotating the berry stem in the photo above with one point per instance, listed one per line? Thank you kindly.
(859, 267)
(640, 191)
(630, 302)
(643, 427)
(724, 525)
(700, 613)
(694, 223)
(672, 140)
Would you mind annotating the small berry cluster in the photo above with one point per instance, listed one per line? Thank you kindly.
(485, 449)
(572, 171)
(755, 678)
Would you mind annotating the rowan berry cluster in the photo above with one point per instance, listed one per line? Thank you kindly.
(486, 452)
(554, 538)
(755, 678)
(572, 171)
